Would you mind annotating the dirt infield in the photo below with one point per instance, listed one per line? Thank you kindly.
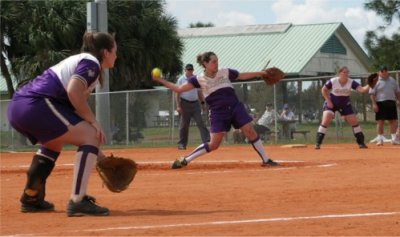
(338, 190)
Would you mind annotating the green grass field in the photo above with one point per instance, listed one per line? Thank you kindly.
(162, 137)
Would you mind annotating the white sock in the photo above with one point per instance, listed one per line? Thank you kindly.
(200, 150)
(258, 146)
(393, 136)
(85, 160)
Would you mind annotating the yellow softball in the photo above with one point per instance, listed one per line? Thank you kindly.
(156, 72)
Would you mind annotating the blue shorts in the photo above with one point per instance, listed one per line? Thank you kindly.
(39, 119)
(343, 110)
(222, 119)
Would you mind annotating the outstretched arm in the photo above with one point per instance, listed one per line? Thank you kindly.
(250, 75)
(172, 86)
(363, 89)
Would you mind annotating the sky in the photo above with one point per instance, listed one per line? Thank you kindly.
(351, 13)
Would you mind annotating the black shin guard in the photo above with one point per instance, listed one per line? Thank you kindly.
(319, 138)
(37, 174)
(360, 138)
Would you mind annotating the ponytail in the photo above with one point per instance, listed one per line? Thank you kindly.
(94, 43)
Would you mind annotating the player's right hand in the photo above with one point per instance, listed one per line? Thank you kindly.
(99, 132)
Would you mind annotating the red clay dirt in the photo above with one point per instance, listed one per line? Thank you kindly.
(338, 190)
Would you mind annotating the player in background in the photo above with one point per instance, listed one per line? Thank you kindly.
(225, 108)
(336, 93)
(383, 97)
(53, 110)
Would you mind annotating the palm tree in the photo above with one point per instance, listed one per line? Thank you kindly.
(52, 30)
(146, 38)
(42, 36)
(9, 17)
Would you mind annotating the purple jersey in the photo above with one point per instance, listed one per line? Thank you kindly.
(53, 82)
(218, 91)
(41, 109)
(225, 107)
(340, 94)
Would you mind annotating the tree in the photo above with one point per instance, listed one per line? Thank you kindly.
(388, 9)
(146, 38)
(52, 30)
(382, 49)
(36, 39)
(201, 24)
(9, 16)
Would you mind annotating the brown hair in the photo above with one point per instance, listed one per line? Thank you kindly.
(204, 57)
(342, 69)
(94, 43)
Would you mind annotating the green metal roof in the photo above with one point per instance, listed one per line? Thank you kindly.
(250, 48)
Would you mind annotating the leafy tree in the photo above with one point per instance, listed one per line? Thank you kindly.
(382, 49)
(201, 24)
(36, 39)
(388, 9)
(146, 38)
(52, 30)
(10, 13)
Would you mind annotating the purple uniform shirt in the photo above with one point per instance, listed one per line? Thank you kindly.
(225, 107)
(340, 95)
(41, 109)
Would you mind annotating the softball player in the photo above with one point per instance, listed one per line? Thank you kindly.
(336, 93)
(53, 110)
(224, 106)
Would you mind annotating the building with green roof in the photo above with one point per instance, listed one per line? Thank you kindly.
(299, 50)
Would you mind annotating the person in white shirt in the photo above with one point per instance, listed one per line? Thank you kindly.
(288, 115)
(266, 121)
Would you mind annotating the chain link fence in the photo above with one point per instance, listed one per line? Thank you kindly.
(149, 118)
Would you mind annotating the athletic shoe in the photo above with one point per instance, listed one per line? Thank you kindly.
(375, 140)
(362, 146)
(181, 147)
(379, 142)
(386, 139)
(86, 207)
(42, 206)
(317, 146)
(269, 163)
(179, 163)
(394, 142)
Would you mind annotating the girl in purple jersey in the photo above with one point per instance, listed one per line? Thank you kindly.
(225, 108)
(336, 93)
(53, 110)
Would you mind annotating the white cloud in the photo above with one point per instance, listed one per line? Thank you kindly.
(355, 18)
(249, 12)
(234, 18)
(190, 11)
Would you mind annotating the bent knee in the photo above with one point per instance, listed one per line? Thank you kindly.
(213, 147)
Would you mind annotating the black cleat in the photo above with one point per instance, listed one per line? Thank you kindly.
(181, 147)
(317, 146)
(42, 206)
(86, 207)
(362, 146)
(269, 163)
(179, 163)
